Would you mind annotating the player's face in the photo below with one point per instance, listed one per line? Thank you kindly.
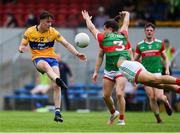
(149, 31)
(46, 23)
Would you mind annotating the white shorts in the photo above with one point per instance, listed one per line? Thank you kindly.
(131, 70)
(112, 75)
(157, 74)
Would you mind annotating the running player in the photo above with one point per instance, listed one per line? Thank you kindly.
(151, 50)
(132, 70)
(41, 40)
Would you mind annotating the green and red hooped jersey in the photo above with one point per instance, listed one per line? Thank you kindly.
(151, 54)
(114, 45)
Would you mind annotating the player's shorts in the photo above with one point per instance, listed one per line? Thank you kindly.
(51, 61)
(157, 74)
(112, 75)
(131, 70)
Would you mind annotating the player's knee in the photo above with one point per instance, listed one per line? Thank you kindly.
(119, 95)
(55, 86)
(152, 98)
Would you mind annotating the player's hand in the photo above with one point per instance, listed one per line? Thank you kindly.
(123, 13)
(23, 49)
(85, 15)
(81, 56)
(94, 77)
(167, 72)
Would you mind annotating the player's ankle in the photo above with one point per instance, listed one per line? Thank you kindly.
(57, 111)
(112, 111)
(121, 117)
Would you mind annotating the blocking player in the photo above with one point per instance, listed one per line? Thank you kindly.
(112, 75)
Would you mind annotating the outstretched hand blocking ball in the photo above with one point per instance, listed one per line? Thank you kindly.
(82, 40)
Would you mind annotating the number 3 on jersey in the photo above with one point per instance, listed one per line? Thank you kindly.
(120, 47)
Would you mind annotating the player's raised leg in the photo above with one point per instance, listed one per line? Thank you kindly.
(165, 82)
(44, 66)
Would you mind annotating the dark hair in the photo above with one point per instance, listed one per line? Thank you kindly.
(45, 15)
(166, 40)
(111, 23)
(149, 25)
(118, 18)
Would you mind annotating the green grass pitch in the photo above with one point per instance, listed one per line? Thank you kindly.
(25, 121)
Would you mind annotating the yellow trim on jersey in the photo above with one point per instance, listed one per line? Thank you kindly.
(41, 44)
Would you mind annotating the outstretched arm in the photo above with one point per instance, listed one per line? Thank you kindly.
(125, 24)
(89, 23)
(72, 49)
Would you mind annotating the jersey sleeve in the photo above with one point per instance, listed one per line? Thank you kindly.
(58, 36)
(128, 45)
(100, 37)
(26, 37)
(125, 33)
(137, 50)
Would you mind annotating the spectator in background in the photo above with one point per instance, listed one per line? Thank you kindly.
(100, 18)
(10, 21)
(65, 73)
(43, 84)
(170, 52)
(31, 20)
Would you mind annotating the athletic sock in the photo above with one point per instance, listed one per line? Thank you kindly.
(178, 81)
(112, 111)
(121, 117)
(57, 111)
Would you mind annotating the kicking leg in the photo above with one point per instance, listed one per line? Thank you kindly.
(45, 67)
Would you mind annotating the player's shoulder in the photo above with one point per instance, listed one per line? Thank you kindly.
(53, 30)
(158, 40)
(31, 29)
(141, 42)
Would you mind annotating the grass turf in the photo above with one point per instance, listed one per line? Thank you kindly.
(25, 121)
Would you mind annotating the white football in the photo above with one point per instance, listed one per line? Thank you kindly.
(82, 40)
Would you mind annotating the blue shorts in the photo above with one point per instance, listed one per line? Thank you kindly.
(51, 61)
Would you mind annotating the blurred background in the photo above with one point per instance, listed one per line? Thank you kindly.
(17, 72)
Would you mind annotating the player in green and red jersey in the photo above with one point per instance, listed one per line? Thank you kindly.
(108, 42)
(151, 51)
